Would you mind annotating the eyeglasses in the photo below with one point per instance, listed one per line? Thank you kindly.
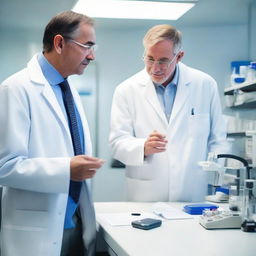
(162, 63)
(89, 47)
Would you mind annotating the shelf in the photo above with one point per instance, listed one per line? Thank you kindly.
(251, 104)
(246, 133)
(236, 134)
(245, 87)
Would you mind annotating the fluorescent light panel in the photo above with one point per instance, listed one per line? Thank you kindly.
(132, 9)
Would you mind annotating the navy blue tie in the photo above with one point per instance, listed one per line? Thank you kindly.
(75, 186)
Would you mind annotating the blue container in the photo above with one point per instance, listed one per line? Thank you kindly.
(239, 80)
(236, 65)
(197, 209)
(253, 65)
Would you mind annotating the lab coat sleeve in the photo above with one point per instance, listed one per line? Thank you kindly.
(124, 145)
(17, 170)
(217, 141)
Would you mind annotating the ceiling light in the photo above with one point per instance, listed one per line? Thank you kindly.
(133, 9)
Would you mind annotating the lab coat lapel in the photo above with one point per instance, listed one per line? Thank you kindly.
(50, 97)
(151, 96)
(38, 78)
(183, 92)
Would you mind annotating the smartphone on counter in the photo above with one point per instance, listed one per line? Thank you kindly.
(147, 223)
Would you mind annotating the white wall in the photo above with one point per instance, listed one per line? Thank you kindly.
(16, 48)
(252, 30)
(210, 49)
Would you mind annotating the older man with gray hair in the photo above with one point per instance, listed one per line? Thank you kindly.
(164, 120)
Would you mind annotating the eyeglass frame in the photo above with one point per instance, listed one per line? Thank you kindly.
(160, 62)
(89, 47)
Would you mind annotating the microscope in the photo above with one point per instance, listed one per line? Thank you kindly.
(242, 203)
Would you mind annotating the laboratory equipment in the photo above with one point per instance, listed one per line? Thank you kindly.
(231, 218)
(234, 200)
(213, 166)
(249, 208)
(221, 195)
(219, 219)
(216, 172)
(235, 197)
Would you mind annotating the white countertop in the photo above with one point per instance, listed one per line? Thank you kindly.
(173, 238)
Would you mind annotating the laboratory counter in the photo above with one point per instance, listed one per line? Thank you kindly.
(174, 237)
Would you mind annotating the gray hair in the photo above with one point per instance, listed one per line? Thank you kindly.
(163, 32)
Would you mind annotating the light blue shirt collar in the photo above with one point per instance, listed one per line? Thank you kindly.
(166, 94)
(51, 74)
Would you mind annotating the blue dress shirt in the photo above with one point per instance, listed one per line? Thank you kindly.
(53, 77)
(166, 94)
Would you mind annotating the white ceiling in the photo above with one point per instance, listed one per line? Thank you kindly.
(36, 14)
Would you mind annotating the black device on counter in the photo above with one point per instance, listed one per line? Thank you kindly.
(147, 223)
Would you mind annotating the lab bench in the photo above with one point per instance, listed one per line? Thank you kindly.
(173, 238)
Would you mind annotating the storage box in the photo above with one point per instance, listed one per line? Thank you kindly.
(197, 209)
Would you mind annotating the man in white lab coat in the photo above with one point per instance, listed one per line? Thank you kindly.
(164, 120)
(39, 157)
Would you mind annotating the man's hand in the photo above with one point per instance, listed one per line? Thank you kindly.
(84, 167)
(155, 143)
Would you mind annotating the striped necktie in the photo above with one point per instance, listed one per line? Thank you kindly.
(75, 186)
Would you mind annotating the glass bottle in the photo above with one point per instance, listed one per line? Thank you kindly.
(233, 198)
(249, 208)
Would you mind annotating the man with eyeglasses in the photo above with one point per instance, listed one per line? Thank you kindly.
(45, 148)
(164, 120)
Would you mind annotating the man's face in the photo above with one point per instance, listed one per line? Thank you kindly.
(160, 61)
(76, 57)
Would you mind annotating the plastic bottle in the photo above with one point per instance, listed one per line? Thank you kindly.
(251, 74)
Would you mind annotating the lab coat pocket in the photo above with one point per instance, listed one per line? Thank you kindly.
(30, 219)
(198, 125)
(19, 240)
(144, 190)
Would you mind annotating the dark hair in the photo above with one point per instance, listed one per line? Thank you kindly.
(65, 24)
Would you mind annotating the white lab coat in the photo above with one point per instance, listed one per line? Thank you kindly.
(173, 175)
(35, 151)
